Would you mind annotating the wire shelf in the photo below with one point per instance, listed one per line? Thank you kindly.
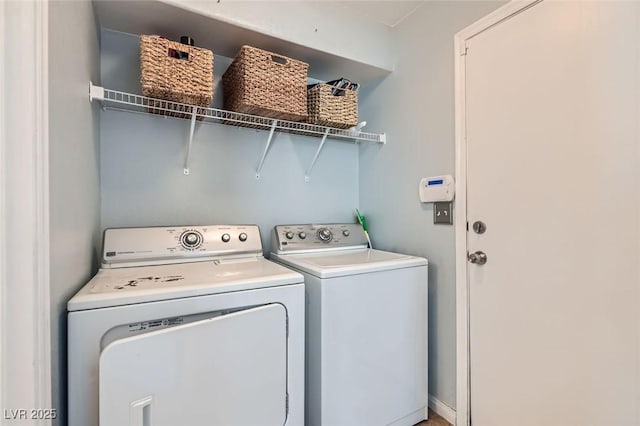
(129, 102)
(122, 101)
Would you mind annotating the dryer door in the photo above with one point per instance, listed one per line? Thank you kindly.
(227, 370)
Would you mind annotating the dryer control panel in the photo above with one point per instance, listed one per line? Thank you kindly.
(311, 237)
(124, 247)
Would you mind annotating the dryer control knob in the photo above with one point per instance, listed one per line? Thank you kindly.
(325, 234)
(346, 233)
(226, 238)
(191, 240)
(289, 235)
(242, 237)
(302, 235)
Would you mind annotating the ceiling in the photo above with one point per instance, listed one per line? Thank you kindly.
(390, 12)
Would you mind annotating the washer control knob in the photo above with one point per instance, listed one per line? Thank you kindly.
(289, 235)
(242, 237)
(302, 235)
(346, 233)
(325, 234)
(226, 238)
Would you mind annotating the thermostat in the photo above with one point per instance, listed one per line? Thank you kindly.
(436, 188)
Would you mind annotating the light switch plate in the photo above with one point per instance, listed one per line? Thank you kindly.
(442, 213)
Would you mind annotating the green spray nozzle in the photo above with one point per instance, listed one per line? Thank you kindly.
(362, 220)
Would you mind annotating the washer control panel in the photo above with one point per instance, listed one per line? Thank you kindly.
(310, 237)
(177, 244)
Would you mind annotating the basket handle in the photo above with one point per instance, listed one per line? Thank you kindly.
(279, 60)
(181, 55)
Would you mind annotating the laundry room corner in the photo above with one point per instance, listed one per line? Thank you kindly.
(421, 128)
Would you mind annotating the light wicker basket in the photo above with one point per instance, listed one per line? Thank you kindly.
(330, 110)
(267, 84)
(188, 81)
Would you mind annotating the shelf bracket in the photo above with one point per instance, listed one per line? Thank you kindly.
(315, 157)
(192, 128)
(266, 148)
(95, 92)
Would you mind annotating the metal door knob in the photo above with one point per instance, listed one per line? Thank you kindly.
(478, 258)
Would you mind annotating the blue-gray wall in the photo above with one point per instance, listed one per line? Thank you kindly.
(142, 182)
(73, 171)
(415, 106)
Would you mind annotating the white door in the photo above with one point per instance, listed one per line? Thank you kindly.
(229, 370)
(553, 171)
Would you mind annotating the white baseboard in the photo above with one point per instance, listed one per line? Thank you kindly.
(442, 409)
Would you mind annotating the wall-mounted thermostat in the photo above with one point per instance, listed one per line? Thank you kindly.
(436, 188)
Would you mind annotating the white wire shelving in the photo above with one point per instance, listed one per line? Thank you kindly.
(129, 102)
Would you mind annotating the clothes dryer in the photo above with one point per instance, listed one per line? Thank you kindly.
(187, 326)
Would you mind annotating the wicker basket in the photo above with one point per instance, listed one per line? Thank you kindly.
(267, 84)
(329, 110)
(188, 81)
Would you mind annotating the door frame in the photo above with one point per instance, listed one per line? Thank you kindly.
(25, 323)
(461, 44)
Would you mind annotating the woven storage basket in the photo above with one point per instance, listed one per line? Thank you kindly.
(326, 109)
(188, 81)
(265, 83)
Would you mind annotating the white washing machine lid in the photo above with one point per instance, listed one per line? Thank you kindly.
(348, 262)
(125, 286)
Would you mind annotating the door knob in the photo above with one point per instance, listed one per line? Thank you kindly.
(478, 258)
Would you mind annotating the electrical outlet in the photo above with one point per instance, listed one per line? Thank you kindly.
(442, 213)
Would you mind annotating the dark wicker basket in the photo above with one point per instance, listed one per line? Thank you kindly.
(331, 110)
(267, 84)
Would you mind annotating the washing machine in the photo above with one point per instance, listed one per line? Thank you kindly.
(366, 335)
(187, 326)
